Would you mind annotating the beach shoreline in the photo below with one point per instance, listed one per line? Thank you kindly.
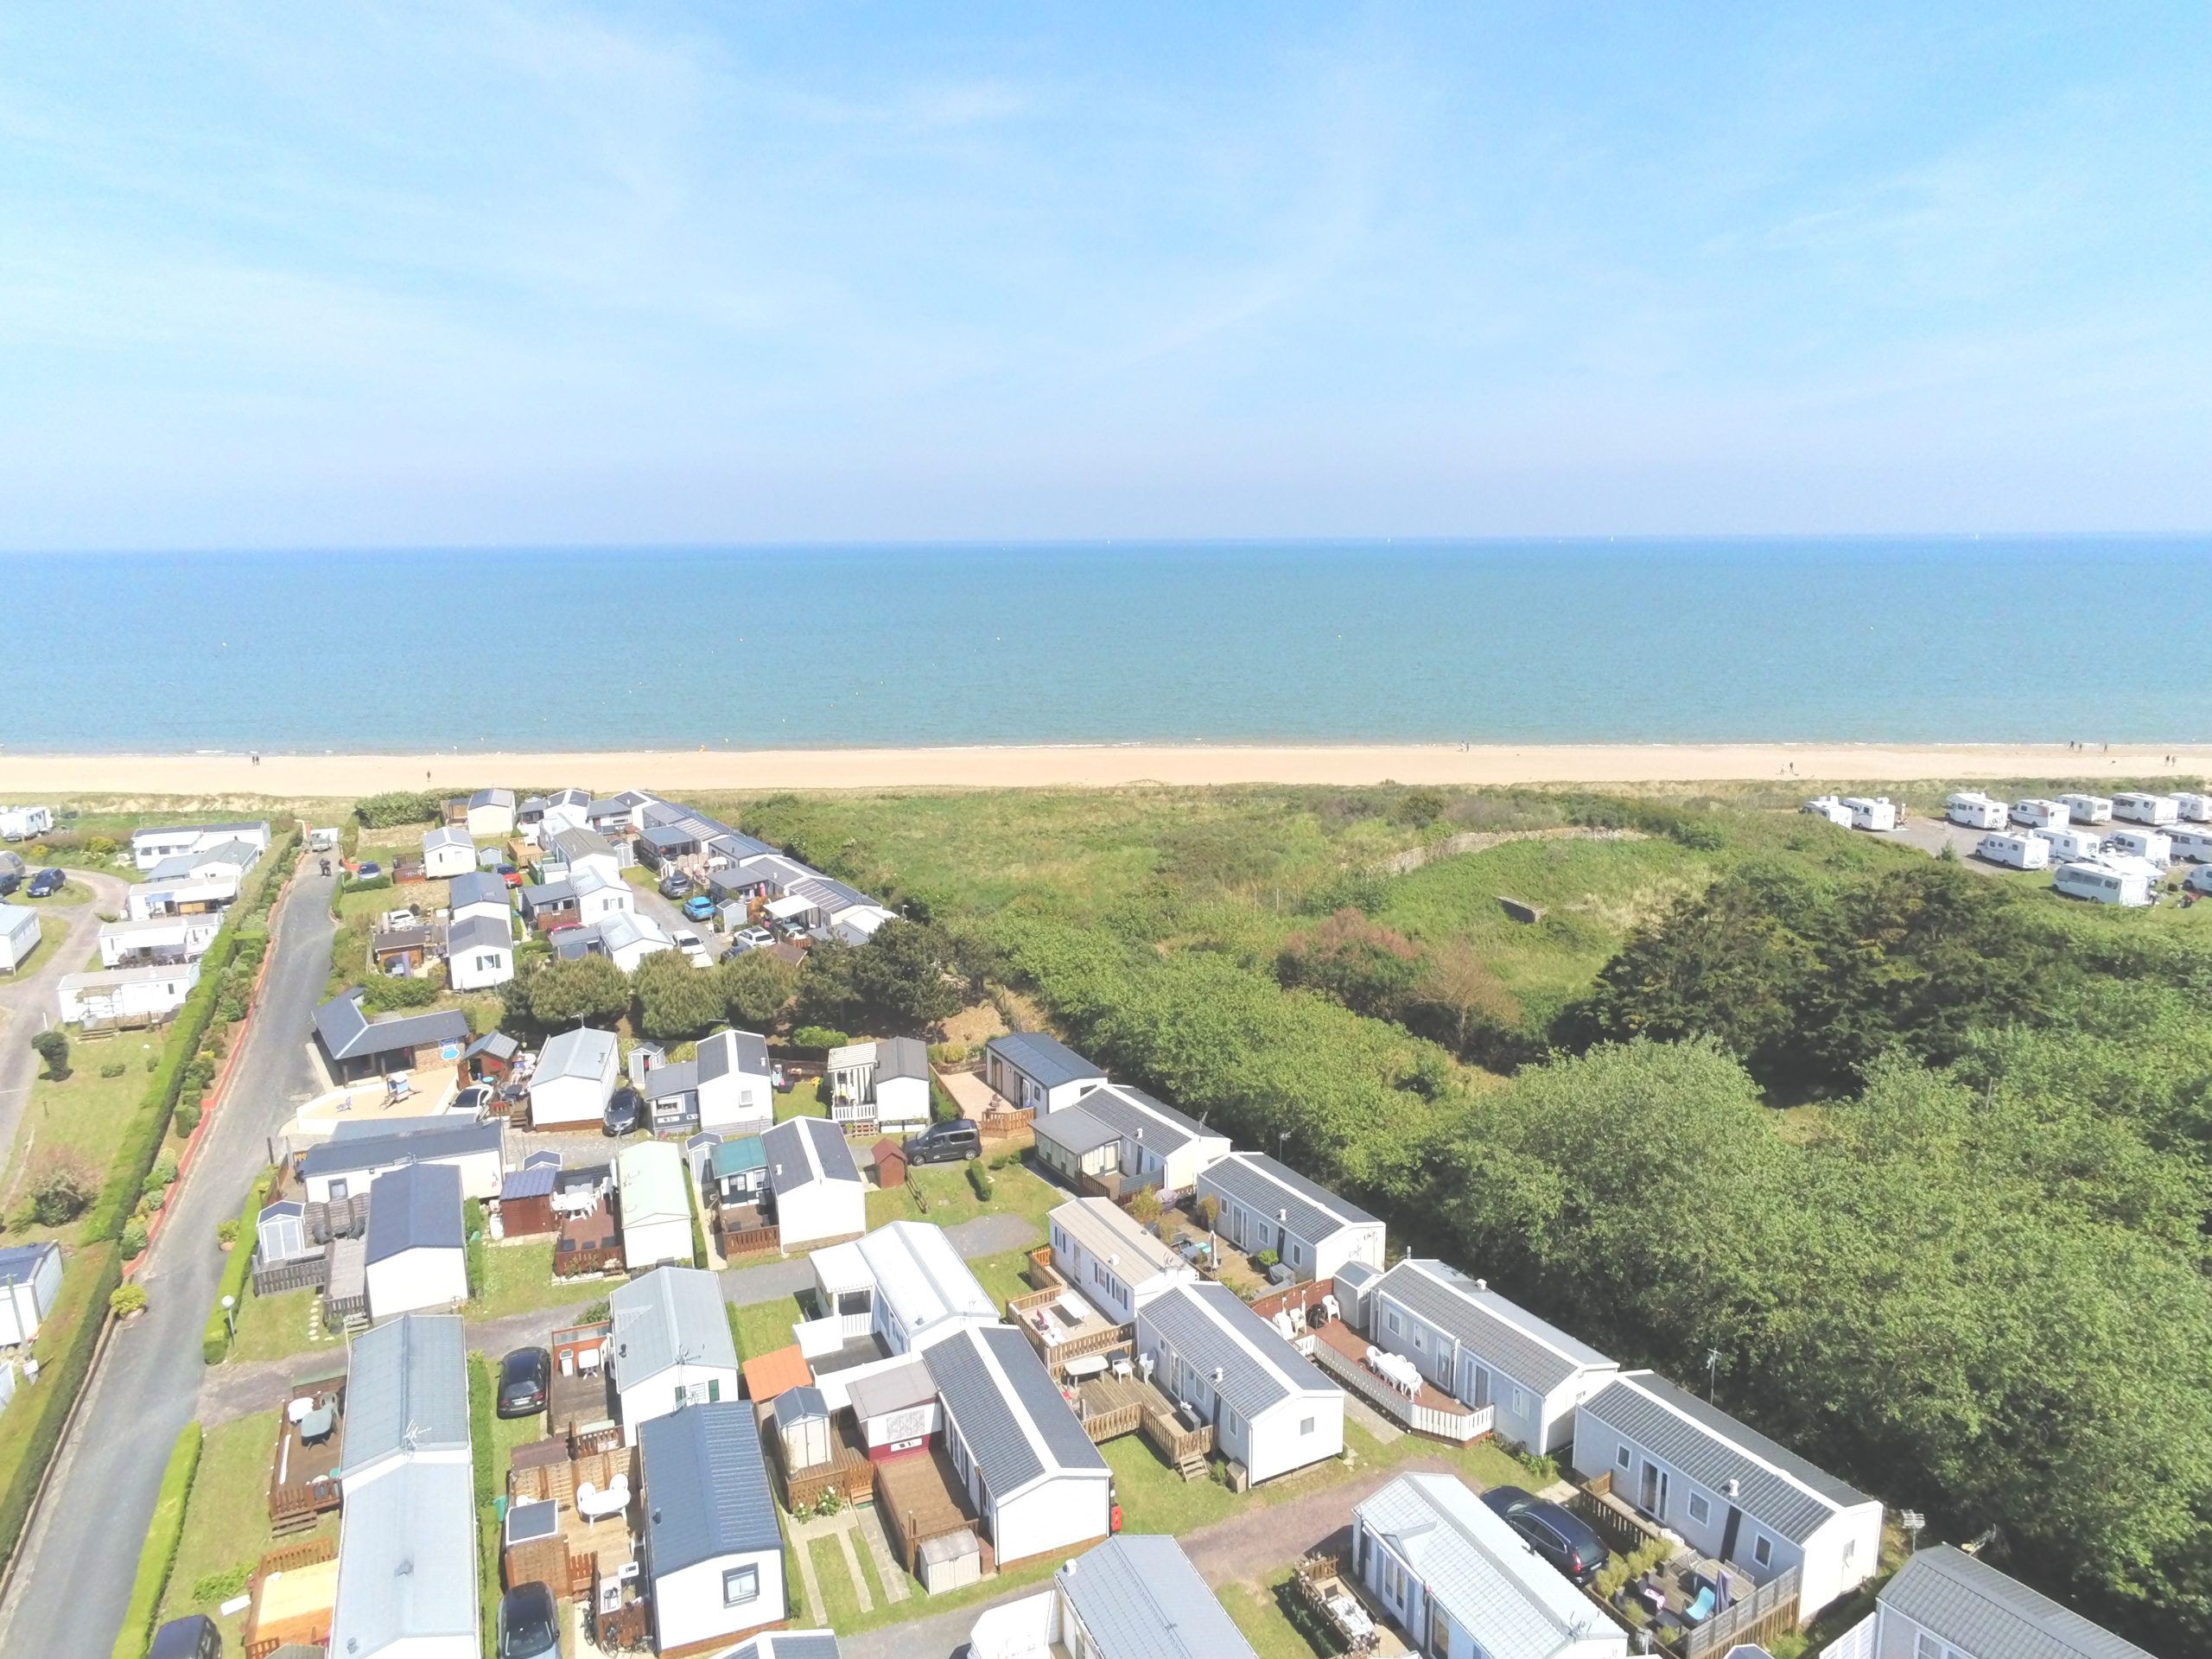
(1084, 765)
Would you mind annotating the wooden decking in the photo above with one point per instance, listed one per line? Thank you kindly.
(583, 1554)
(303, 1475)
(919, 1498)
(294, 1591)
(1342, 1352)
(1111, 1406)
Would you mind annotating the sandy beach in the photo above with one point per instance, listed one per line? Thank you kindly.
(308, 776)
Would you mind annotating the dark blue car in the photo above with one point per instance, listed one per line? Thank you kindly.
(47, 882)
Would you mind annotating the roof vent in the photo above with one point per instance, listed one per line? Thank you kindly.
(1730, 1487)
(1282, 1215)
(1217, 1373)
(1482, 1284)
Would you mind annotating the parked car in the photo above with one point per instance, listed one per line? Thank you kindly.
(759, 939)
(525, 1376)
(367, 870)
(692, 946)
(47, 882)
(790, 930)
(10, 881)
(675, 885)
(472, 1101)
(193, 1637)
(946, 1143)
(699, 908)
(625, 1110)
(529, 1623)
(1553, 1531)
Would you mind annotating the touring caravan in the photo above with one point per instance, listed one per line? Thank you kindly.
(2151, 846)
(2067, 844)
(2194, 809)
(1879, 813)
(1974, 811)
(1827, 806)
(2015, 852)
(2105, 881)
(2145, 809)
(2195, 846)
(2087, 808)
(2039, 814)
(2199, 880)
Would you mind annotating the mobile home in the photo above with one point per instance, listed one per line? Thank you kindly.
(2069, 843)
(1271, 1409)
(1827, 806)
(2014, 852)
(18, 936)
(2103, 882)
(125, 993)
(21, 823)
(2038, 814)
(1945, 1601)
(1974, 811)
(2151, 846)
(1877, 812)
(2134, 808)
(2088, 809)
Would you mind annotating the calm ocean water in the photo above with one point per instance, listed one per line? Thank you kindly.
(1562, 642)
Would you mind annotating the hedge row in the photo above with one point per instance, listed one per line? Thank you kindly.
(31, 1428)
(158, 1554)
(481, 1455)
(215, 1335)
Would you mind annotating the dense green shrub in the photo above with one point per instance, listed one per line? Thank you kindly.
(215, 1335)
(158, 1554)
(818, 1037)
(384, 992)
(980, 1178)
(398, 807)
(53, 1047)
(65, 1353)
(473, 1245)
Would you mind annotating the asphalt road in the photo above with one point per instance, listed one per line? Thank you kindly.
(82, 1549)
(26, 996)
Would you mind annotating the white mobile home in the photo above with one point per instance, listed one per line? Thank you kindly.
(491, 813)
(1728, 1490)
(1828, 807)
(2067, 842)
(1135, 1596)
(885, 1082)
(2135, 808)
(2193, 845)
(2014, 852)
(407, 1567)
(1031, 1472)
(2036, 813)
(1974, 811)
(2087, 808)
(671, 1345)
(1457, 1576)
(479, 894)
(357, 1153)
(229, 859)
(652, 1189)
(713, 1555)
(1877, 812)
(126, 992)
(150, 847)
(1038, 1072)
(2194, 808)
(1120, 1130)
(415, 1258)
(479, 953)
(819, 1191)
(735, 1082)
(1484, 1350)
(21, 823)
(1271, 1408)
(2105, 881)
(899, 1290)
(575, 1075)
(2152, 846)
(179, 898)
(1267, 1206)
(1110, 1259)
(31, 1278)
(448, 852)
(18, 936)
(1944, 1602)
(158, 941)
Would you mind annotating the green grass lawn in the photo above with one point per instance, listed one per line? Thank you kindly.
(841, 1606)
(1016, 1190)
(83, 1115)
(226, 1522)
(70, 892)
(802, 1101)
(1257, 1610)
(761, 1328)
(1002, 1275)
(271, 1327)
(519, 1279)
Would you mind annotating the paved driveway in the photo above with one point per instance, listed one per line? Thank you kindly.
(26, 1000)
(82, 1547)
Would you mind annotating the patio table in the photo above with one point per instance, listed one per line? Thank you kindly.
(318, 1423)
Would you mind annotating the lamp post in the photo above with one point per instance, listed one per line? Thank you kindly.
(231, 1317)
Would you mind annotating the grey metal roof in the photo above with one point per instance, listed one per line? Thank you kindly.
(18, 1262)
(799, 1405)
(1165, 1130)
(446, 835)
(668, 1315)
(583, 1052)
(534, 1182)
(1014, 1420)
(480, 933)
(1074, 1128)
(1046, 1059)
(1140, 1598)
(1776, 1487)
(893, 1388)
(1974, 1607)
(1356, 1275)
(1209, 1325)
(665, 837)
(477, 887)
(1535, 1354)
(804, 1150)
(547, 895)
(788, 1644)
(492, 797)
(1260, 1183)
(374, 1146)
(665, 1082)
(706, 1487)
(406, 1388)
(348, 1033)
(416, 1206)
(826, 893)
(407, 1560)
(497, 1044)
(573, 844)
(902, 1057)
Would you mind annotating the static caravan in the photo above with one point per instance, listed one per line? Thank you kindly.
(1110, 1259)
(21, 823)
(2087, 808)
(1037, 1073)
(417, 1259)
(714, 1552)
(31, 1278)
(125, 993)
(575, 1075)
(1877, 812)
(2068, 843)
(819, 1194)
(671, 1345)
(2038, 814)
(1945, 1601)
(1974, 811)
(18, 936)
(652, 1189)
(2134, 808)
(356, 1153)
(2151, 846)
(2100, 883)
(2194, 846)
(2194, 809)
(1271, 1409)
(1827, 806)
(1266, 1205)
(2014, 852)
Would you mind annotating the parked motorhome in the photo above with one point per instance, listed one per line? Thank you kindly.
(2194, 846)
(1827, 806)
(2068, 843)
(2104, 881)
(2038, 814)
(2151, 846)
(2087, 808)
(1877, 812)
(2194, 809)
(1974, 811)
(2013, 851)
(2136, 808)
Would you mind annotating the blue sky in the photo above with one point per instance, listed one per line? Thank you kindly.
(276, 275)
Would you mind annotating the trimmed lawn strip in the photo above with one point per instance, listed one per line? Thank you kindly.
(862, 1554)
(519, 1279)
(276, 1327)
(84, 1114)
(843, 1606)
(227, 1523)
(761, 1328)
(1257, 1611)
(1017, 1190)
(804, 1100)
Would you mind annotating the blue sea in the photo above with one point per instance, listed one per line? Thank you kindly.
(1892, 640)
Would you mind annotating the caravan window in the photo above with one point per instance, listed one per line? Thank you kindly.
(1762, 1550)
(1700, 1511)
(740, 1586)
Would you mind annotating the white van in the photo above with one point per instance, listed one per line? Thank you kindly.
(2087, 808)
(2146, 808)
(2151, 846)
(1879, 812)
(1974, 811)
(2015, 852)
(2103, 883)
(2039, 814)
(1827, 806)
(2193, 845)
(2194, 809)
(2072, 843)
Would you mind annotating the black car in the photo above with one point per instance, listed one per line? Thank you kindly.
(46, 881)
(1552, 1530)
(193, 1637)
(529, 1623)
(946, 1143)
(8, 882)
(525, 1376)
(625, 1110)
(675, 885)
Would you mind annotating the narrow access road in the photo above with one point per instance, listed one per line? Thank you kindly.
(67, 1601)
(27, 999)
